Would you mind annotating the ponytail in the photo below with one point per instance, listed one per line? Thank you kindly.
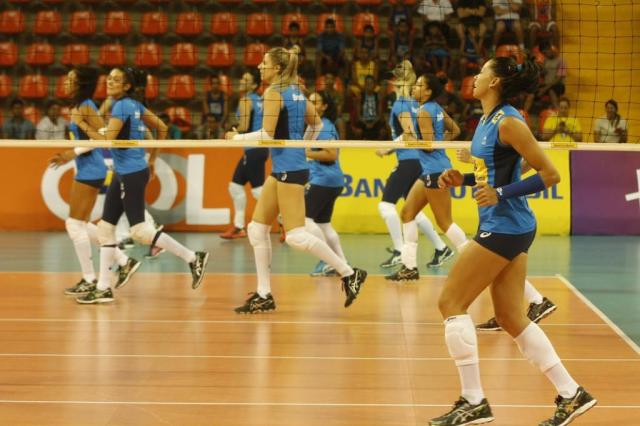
(515, 78)
(287, 60)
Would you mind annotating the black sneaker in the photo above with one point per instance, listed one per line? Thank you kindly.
(439, 257)
(463, 413)
(392, 261)
(96, 296)
(539, 311)
(353, 284)
(198, 268)
(83, 287)
(126, 272)
(255, 303)
(404, 274)
(127, 243)
(491, 325)
(569, 408)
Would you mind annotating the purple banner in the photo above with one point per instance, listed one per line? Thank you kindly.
(605, 193)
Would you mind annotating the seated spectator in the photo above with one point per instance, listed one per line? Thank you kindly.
(368, 122)
(174, 131)
(52, 126)
(295, 39)
(336, 99)
(400, 12)
(436, 51)
(362, 68)
(473, 54)
(471, 13)
(561, 127)
(210, 129)
(330, 53)
(612, 128)
(435, 12)
(368, 42)
(542, 23)
(16, 126)
(401, 44)
(554, 72)
(507, 17)
(216, 102)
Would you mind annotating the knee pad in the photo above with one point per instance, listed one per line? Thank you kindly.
(258, 234)
(256, 192)
(460, 334)
(143, 233)
(300, 239)
(387, 209)
(236, 191)
(106, 233)
(76, 229)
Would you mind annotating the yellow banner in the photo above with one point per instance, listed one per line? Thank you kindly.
(357, 209)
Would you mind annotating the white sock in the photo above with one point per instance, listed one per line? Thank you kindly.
(122, 228)
(106, 260)
(261, 242)
(172, 246)
(148, 218)
(92, 230)
(391, 218)
(300, 239)
(410, 247)
(456, 235)
(462, 342)
(427, 229)
(332, 238)
(79, 235)
(531, 295)
(562, 380)
(239, 198)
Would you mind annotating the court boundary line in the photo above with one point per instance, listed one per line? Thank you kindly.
(600, 314)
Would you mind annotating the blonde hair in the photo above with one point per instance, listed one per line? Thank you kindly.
(287, 60)
(405, 78)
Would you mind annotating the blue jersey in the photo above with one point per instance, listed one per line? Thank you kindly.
(436, 160)
(90, 165)
(290, 126)
(499, 165)
(327, 173)
(401, 105)
(130, 112)
(255, 117)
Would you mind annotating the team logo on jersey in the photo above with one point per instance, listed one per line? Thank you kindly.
(497, 117)
(136, 115)
(485, 234)
(298, 98)
(484, 140)
(415, 110)
(440, 116)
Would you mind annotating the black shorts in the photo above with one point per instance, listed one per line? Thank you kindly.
(251, 167)
(95, 183)
(401, 180)
(298, 177)
(126, 195)
(319, 202)
(430, 180)
(508, 246)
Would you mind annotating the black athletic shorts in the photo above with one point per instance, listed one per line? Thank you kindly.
(319, 202)
(95, 183)
(401, 180)
(126, 195)
(298, 177)
(508, 246)
(251, 167)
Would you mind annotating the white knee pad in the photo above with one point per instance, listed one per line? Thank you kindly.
(258, 234)
(256, 192)
(236, 191)
(387, 209)
(143, 233)
(106, 233)
(460, 334)
(76, 229)
(300, 239)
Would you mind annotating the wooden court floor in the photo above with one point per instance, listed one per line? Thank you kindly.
(163, 354)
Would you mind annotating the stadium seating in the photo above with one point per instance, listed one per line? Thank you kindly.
(333, 2)
(117, 23)
(363, 19)
(11, 22)
(82, 23)
(111, 55)
(32, 113)
(8, 54)
(184, 55)
(466, 90)
(148, 55)
(154, 23)
(61, 91)
(48, 22)
(6, 86)
(152, 90)
(542, 117)
(321, 85)
(224, 24)
(33, 86)
(294, 17)
(181, 87)
(39, 54)
(220, 54)
(253, 53)
(101, 88)
(259, 25)
(368, 2)
(180, 116)
(510, 50)
(75, 54)
(225, 84)
(189, 24)
(323, 17)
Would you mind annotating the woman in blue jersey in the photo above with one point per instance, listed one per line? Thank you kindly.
(251, 166)
(497, 256)
(407, 172)
(326, 183)
(432, 124)
(129, 121)
(285, 112)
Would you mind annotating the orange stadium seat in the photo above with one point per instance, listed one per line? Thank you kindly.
(320, 84)
(148, 55)
(407, 2)
(333, 2)
(61, 91)
(181, 87)
(154, 23)
(39, 54)
(264, 2)
(101, 88)
(259, 25)
(159, 1)
(253, 54)
(466, 89)
(6, 86)
(184, 55)
(189, 24)
(180, 116)
(33, 86)
(363, 19)
(507, 50)
(301, 2)
(18, 1)
(48, 22)
(224, 23)
(526, 117)
(75, 54)
(83, 22)
(542, 117)
(32, 113)
(117, 23)
(8, 54)
(323, 17)
(294, 17)
(369, 2)
(152, 90)
(111, 55)
(11, 22)
(220, 54)
(225, 84)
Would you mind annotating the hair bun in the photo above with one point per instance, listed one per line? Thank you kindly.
(295, 50)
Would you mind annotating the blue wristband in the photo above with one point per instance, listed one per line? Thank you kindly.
(469, 179)
(530, 185)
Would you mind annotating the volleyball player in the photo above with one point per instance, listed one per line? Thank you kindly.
(497, 256)
(406, 173)
(432, 123)
(286, 110)
(251, 166)
(129, 121)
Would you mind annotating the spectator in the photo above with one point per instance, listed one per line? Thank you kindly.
(52, 126)
(435, 12)
(507, 17)
(554, 72)
(174, 131)
(542, 22)
(368, 123)
(400, 12)
(401, 43)
(473, 54)
(295, 39)
(330, 56)
(368, 42)
(362, 68)
(612, 128)
(561, 127)
(336, 99)
(216, 101)
(436, 51)
(16, 126)
(210, 129)
(471, 13)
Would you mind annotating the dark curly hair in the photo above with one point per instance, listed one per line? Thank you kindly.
(515, 78)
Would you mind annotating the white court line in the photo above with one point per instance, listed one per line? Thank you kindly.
(601, 314)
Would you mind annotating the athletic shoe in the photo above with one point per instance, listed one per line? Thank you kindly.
(234, 234)
(256, 303)
(404, 274)
(127, 243)
(539, 311)
(126, 272)
(439, 257)
(318, 270)
(329, 271)
(569, 408)
(96, 296)
(352, 285)
(154, 251)
(491, 325)
(198, 268)
(393, 260)
(82, 288)
(464, 413)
